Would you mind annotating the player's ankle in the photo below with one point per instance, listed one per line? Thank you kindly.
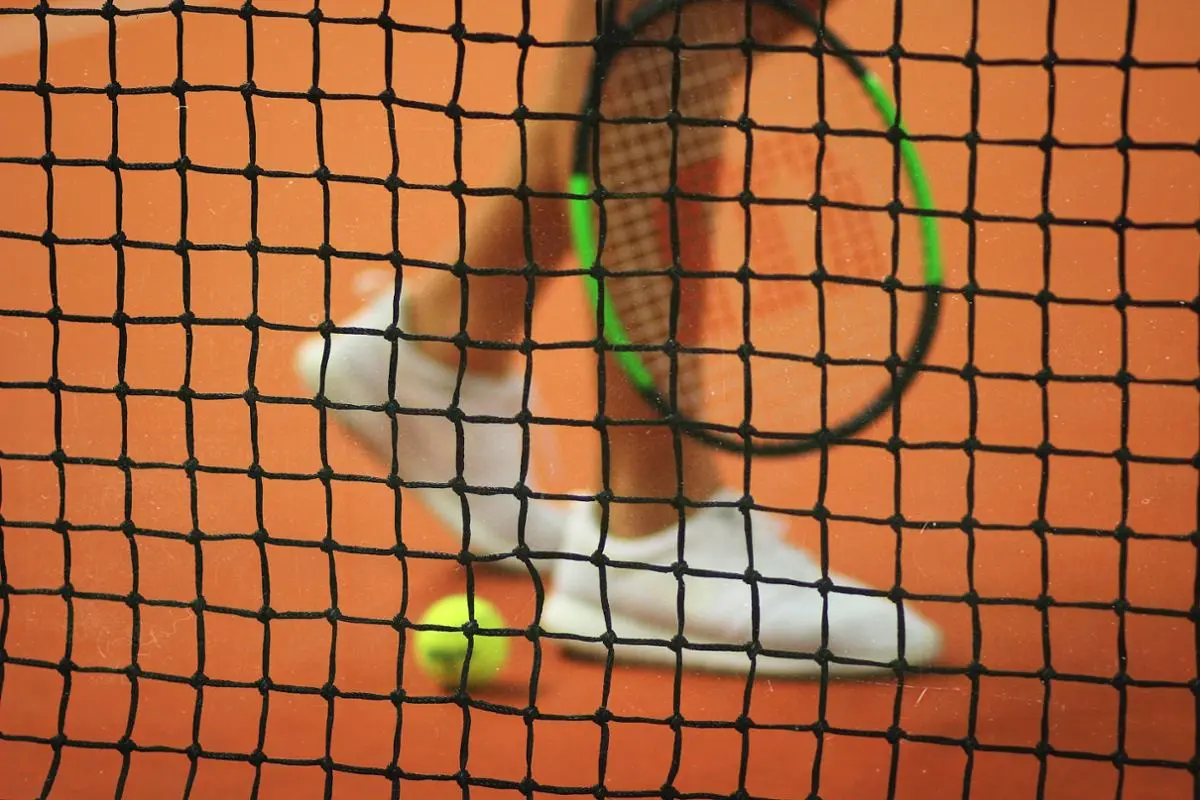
(427, 318)
(647, 489)
(637, 521)
(653, 513)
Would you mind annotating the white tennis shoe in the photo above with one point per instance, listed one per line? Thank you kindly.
(718, 603)
(426, 441)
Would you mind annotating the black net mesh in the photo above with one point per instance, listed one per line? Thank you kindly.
(208, 590)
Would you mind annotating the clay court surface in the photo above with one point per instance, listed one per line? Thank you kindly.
(102, 695)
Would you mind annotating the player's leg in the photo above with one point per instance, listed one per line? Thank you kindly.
(643, 460)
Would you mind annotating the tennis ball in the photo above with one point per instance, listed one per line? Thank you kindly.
(441, 653)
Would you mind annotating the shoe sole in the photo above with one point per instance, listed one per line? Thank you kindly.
(567, 616)
(444, 504)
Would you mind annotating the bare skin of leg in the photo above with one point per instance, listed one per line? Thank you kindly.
(642, 459)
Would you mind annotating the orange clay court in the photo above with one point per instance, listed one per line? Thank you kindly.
(1070, 668)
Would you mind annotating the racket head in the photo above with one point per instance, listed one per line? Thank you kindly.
(752, 269)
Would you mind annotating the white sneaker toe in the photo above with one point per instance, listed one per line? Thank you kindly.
(642, 596)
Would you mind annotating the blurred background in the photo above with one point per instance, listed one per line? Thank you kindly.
(146, 526)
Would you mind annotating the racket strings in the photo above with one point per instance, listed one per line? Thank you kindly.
(784, 326)
(849, 247)
(707, 230)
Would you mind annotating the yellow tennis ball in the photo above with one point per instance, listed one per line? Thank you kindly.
(441, 653)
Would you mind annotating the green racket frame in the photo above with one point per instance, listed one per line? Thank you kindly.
(583, 223)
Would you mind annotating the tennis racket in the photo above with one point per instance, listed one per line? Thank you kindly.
(734, 206)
